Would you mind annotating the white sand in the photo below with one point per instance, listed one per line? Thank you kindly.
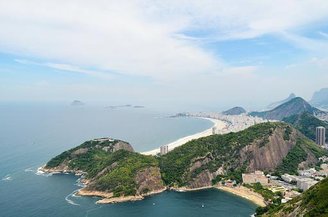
(219, 124)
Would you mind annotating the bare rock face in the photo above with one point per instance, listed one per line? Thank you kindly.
(79, 152)
(122, 145)
(148, 180)
(269, 156)
(199, 162)
(310, 161)
(203, 179)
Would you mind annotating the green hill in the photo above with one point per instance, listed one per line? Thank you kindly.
(110, 166)
(271, 147)
(306, 123)
(312, 203)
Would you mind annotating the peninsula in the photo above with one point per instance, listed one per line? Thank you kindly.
(112, 170)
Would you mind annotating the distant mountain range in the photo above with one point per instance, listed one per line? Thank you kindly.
(320, 99)
(275, 104)
(294, 106)
(234, 111)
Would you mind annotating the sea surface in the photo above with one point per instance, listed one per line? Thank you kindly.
(31, 134)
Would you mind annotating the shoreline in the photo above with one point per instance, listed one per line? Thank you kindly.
(239, 191)
(245, 193)
(107, 197)
(218, 124)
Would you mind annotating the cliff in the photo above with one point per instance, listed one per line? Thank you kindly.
(269, 147)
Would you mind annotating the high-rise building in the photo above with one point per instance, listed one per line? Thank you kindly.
(320, 136)
(164, 149)
(214, 130)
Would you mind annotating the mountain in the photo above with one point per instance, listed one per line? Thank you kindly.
(234, 111)
(306, 123)
(110, 167)
(275, 104)
(112, 170)
(294, 106)
(313, 202)
(270, 147)
(320, 98)
(77, 103)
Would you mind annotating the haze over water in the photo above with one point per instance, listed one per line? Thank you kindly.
(32, 134)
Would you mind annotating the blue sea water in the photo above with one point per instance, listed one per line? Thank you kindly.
(32, 134)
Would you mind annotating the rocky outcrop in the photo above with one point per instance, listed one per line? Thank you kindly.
(148, 180)
(203, 179)
(269, 156)
(122, 145)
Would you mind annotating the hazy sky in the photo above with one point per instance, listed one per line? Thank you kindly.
(163, 52)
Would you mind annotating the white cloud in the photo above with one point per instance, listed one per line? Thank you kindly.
(67, 67)
(143, 38)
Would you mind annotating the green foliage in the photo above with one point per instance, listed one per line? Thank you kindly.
(294, 157)
(56, 161)
(217, 179)
(121, 179)
(222, 149)
(118, 169)
(288, 131)
(312, 203)
(306, 123)
(299, 154)
(258, 188)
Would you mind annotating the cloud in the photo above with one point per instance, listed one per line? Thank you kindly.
(67, 67)
(108, 35)
(143, 38)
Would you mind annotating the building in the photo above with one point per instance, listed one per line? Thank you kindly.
(306, 183)
(214, 130)
(257, 176)
(289, 178)
(320, 136)
(164, 149)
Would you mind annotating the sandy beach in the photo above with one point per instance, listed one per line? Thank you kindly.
(244, 193)
(219, 124)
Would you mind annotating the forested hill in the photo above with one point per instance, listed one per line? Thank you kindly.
(272, 147)
(306, 123)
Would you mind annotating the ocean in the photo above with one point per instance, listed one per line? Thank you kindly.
(31, 134)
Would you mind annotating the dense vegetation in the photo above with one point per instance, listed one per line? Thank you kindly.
(121, 179)
(112, 170)
(67, 155)
(306, 123)
(222, 149)
(313, 202)
(109, 170)
(299, 154)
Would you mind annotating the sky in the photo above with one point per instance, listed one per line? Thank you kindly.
(204, 54)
